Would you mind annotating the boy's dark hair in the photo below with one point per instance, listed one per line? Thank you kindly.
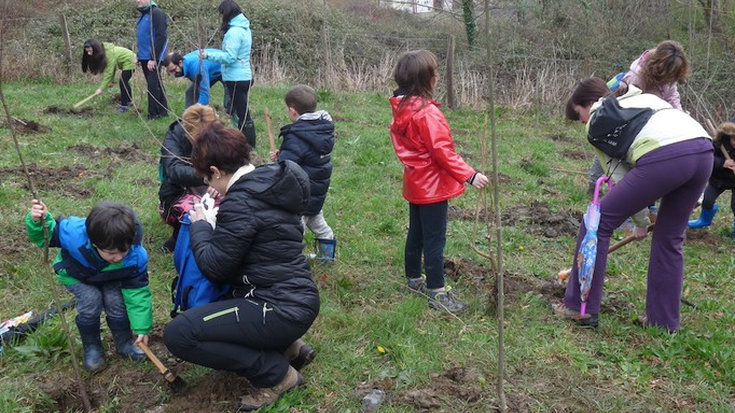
(111, 226)
(302, 99)
(174, 58)
(98, 61)
(587, 91)
(228, 9)
(219, 146)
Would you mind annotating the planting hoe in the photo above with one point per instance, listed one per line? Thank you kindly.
(175, 383)
(83, 101)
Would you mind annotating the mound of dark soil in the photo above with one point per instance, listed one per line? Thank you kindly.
(127, 152)
(27, 126)
(81, 113)
(53, 178)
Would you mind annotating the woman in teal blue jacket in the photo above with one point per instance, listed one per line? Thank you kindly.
(235, 59)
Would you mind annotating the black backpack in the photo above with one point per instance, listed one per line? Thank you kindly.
(614, 128)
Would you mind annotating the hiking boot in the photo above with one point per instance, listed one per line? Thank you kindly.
(417, 285)
(586, 321)
(260, 397)
(445, 300)
(299, 354)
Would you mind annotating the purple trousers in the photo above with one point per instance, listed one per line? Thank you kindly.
(676, 174)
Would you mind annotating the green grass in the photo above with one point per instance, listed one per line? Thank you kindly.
(551, 365)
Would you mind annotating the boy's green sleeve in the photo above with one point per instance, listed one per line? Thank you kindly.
(35, 229)
(139, 304)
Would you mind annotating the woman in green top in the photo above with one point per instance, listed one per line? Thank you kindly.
(105, 58)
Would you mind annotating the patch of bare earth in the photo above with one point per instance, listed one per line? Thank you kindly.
(540, 220)
(134, 387)
(703, 236)
(62, 179)
(536, 218)
(560, 138)
(26, 126)
(80, 113)
(574, 154)
(456, 386)
(127, 152)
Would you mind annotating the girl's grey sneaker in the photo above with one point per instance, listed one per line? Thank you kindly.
(446, 301)
(417, 285)
(122, 109)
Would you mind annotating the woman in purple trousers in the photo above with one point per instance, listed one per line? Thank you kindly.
(670, 159)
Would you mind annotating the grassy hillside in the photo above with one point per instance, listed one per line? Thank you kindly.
(539, 48)
(431, 361)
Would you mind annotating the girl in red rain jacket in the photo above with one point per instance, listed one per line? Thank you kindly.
(433, 172)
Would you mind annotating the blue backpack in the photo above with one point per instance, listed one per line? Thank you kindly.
(191, 288)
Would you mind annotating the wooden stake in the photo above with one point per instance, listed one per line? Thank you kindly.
(268, 125)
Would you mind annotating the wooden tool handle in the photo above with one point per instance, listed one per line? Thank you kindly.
(271, 139)
(727, 155)
(627, 240)
(152, 357)
(711, 127)
(83, 101)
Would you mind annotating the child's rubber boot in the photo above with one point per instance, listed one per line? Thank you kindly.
(248, 129)
(705, 218)
(124, 343)
(94, 356)
(326, 248)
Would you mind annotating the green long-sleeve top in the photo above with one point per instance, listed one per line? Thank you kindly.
(79, 261)
(117, 58)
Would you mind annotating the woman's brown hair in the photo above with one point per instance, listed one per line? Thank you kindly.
(666, 64)
(587, 91)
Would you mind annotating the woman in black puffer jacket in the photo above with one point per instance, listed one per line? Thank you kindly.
(256, 247)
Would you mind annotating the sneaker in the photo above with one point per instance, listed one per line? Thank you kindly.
(417, 285)
(587, 320)
(122, 109)
(445, 300)
(300, 354)
(260, 397)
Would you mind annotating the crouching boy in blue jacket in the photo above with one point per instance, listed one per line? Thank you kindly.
(102, 262)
